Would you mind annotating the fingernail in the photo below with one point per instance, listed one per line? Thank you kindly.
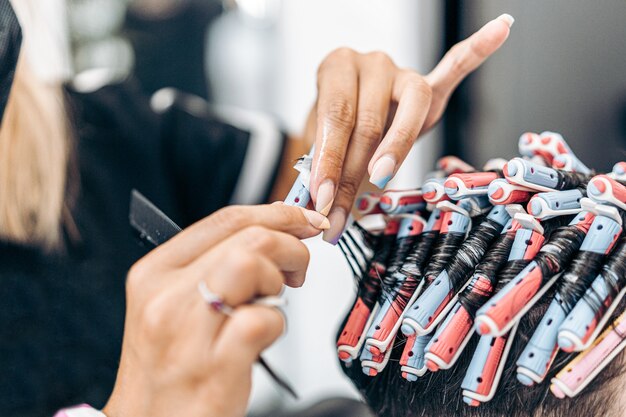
(316, 219)
(508, 19)
(382, 171)
(325, 197)
(337, 219)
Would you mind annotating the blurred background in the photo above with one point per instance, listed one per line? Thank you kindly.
(563, 69)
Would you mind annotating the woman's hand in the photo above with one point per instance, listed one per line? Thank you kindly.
(369, 113)
(181, 358)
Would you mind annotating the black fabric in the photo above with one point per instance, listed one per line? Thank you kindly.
(62, 314)
(10, 42)
(170, 52)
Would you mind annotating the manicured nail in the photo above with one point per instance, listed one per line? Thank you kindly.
(325, 197)
(316, 219)
(508, 19)
(337, 219)
(382, 171)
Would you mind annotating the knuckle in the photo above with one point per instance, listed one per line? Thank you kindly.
(338, 55)
(380, 58)
(262, 327)
(155, 318)
(229, 217)
(459, 63)
(343, 52)
(369, 126)
(341, 113)
(406, 133)
(419, 84)
(259, 237)
(332, 162)
(137, 276)
(242, 264)
(349, 185)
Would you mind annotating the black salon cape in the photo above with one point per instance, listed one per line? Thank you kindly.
(61, 316)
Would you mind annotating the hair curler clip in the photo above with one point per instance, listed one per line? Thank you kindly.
(572, 379)
(459, 186)
(367, 203)
(385, 325)
(395, 202)
(536, 359)
(619, 171)
(299, 194)
(537, 177)
(440, 296)
(527, 144)
(548, 145)
(363, 311)
(605, 190)
(494, 164)
(450, 339)
(509, 304)
(373, 364)
(433, 190)
(412, 362)
(548, 205)
(502, 192)
(485, 370)
(569, 162)
(597, 209)
(453, 165)
(589, 316)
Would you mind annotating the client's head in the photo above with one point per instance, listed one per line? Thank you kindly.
(439, 394)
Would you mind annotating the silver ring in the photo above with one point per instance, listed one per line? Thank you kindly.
(216, 302)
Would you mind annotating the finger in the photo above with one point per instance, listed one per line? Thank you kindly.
(375, 84)
(413, 95)
(461, 60)
(289, 255)
(242, 339)
(336, 111)
(203, 235)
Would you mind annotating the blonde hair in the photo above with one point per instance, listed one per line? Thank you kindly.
(34, 155)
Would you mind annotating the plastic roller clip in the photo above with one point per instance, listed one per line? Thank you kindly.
(485, 370)
(495, 164)
(459, 186)
(582, 326)
(548, 205)
(299, 194)
(412, 362)
(456, 219)
(569, 162)
(440, 296)
(537, 357)
(387, 321)
(361, 315)
(402, 201)
(373, 364)
(502, 192)
(604, 190)
(367, 203)
(588, 364)
(433, 190)
(454, 165)
(457, 329)
(528, 143)
(537, 177)
(619, 171)
(550, 145)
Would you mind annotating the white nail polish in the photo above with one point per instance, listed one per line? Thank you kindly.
(508, 19)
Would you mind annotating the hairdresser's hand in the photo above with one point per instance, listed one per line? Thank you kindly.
(369, 113)
(181, 358)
